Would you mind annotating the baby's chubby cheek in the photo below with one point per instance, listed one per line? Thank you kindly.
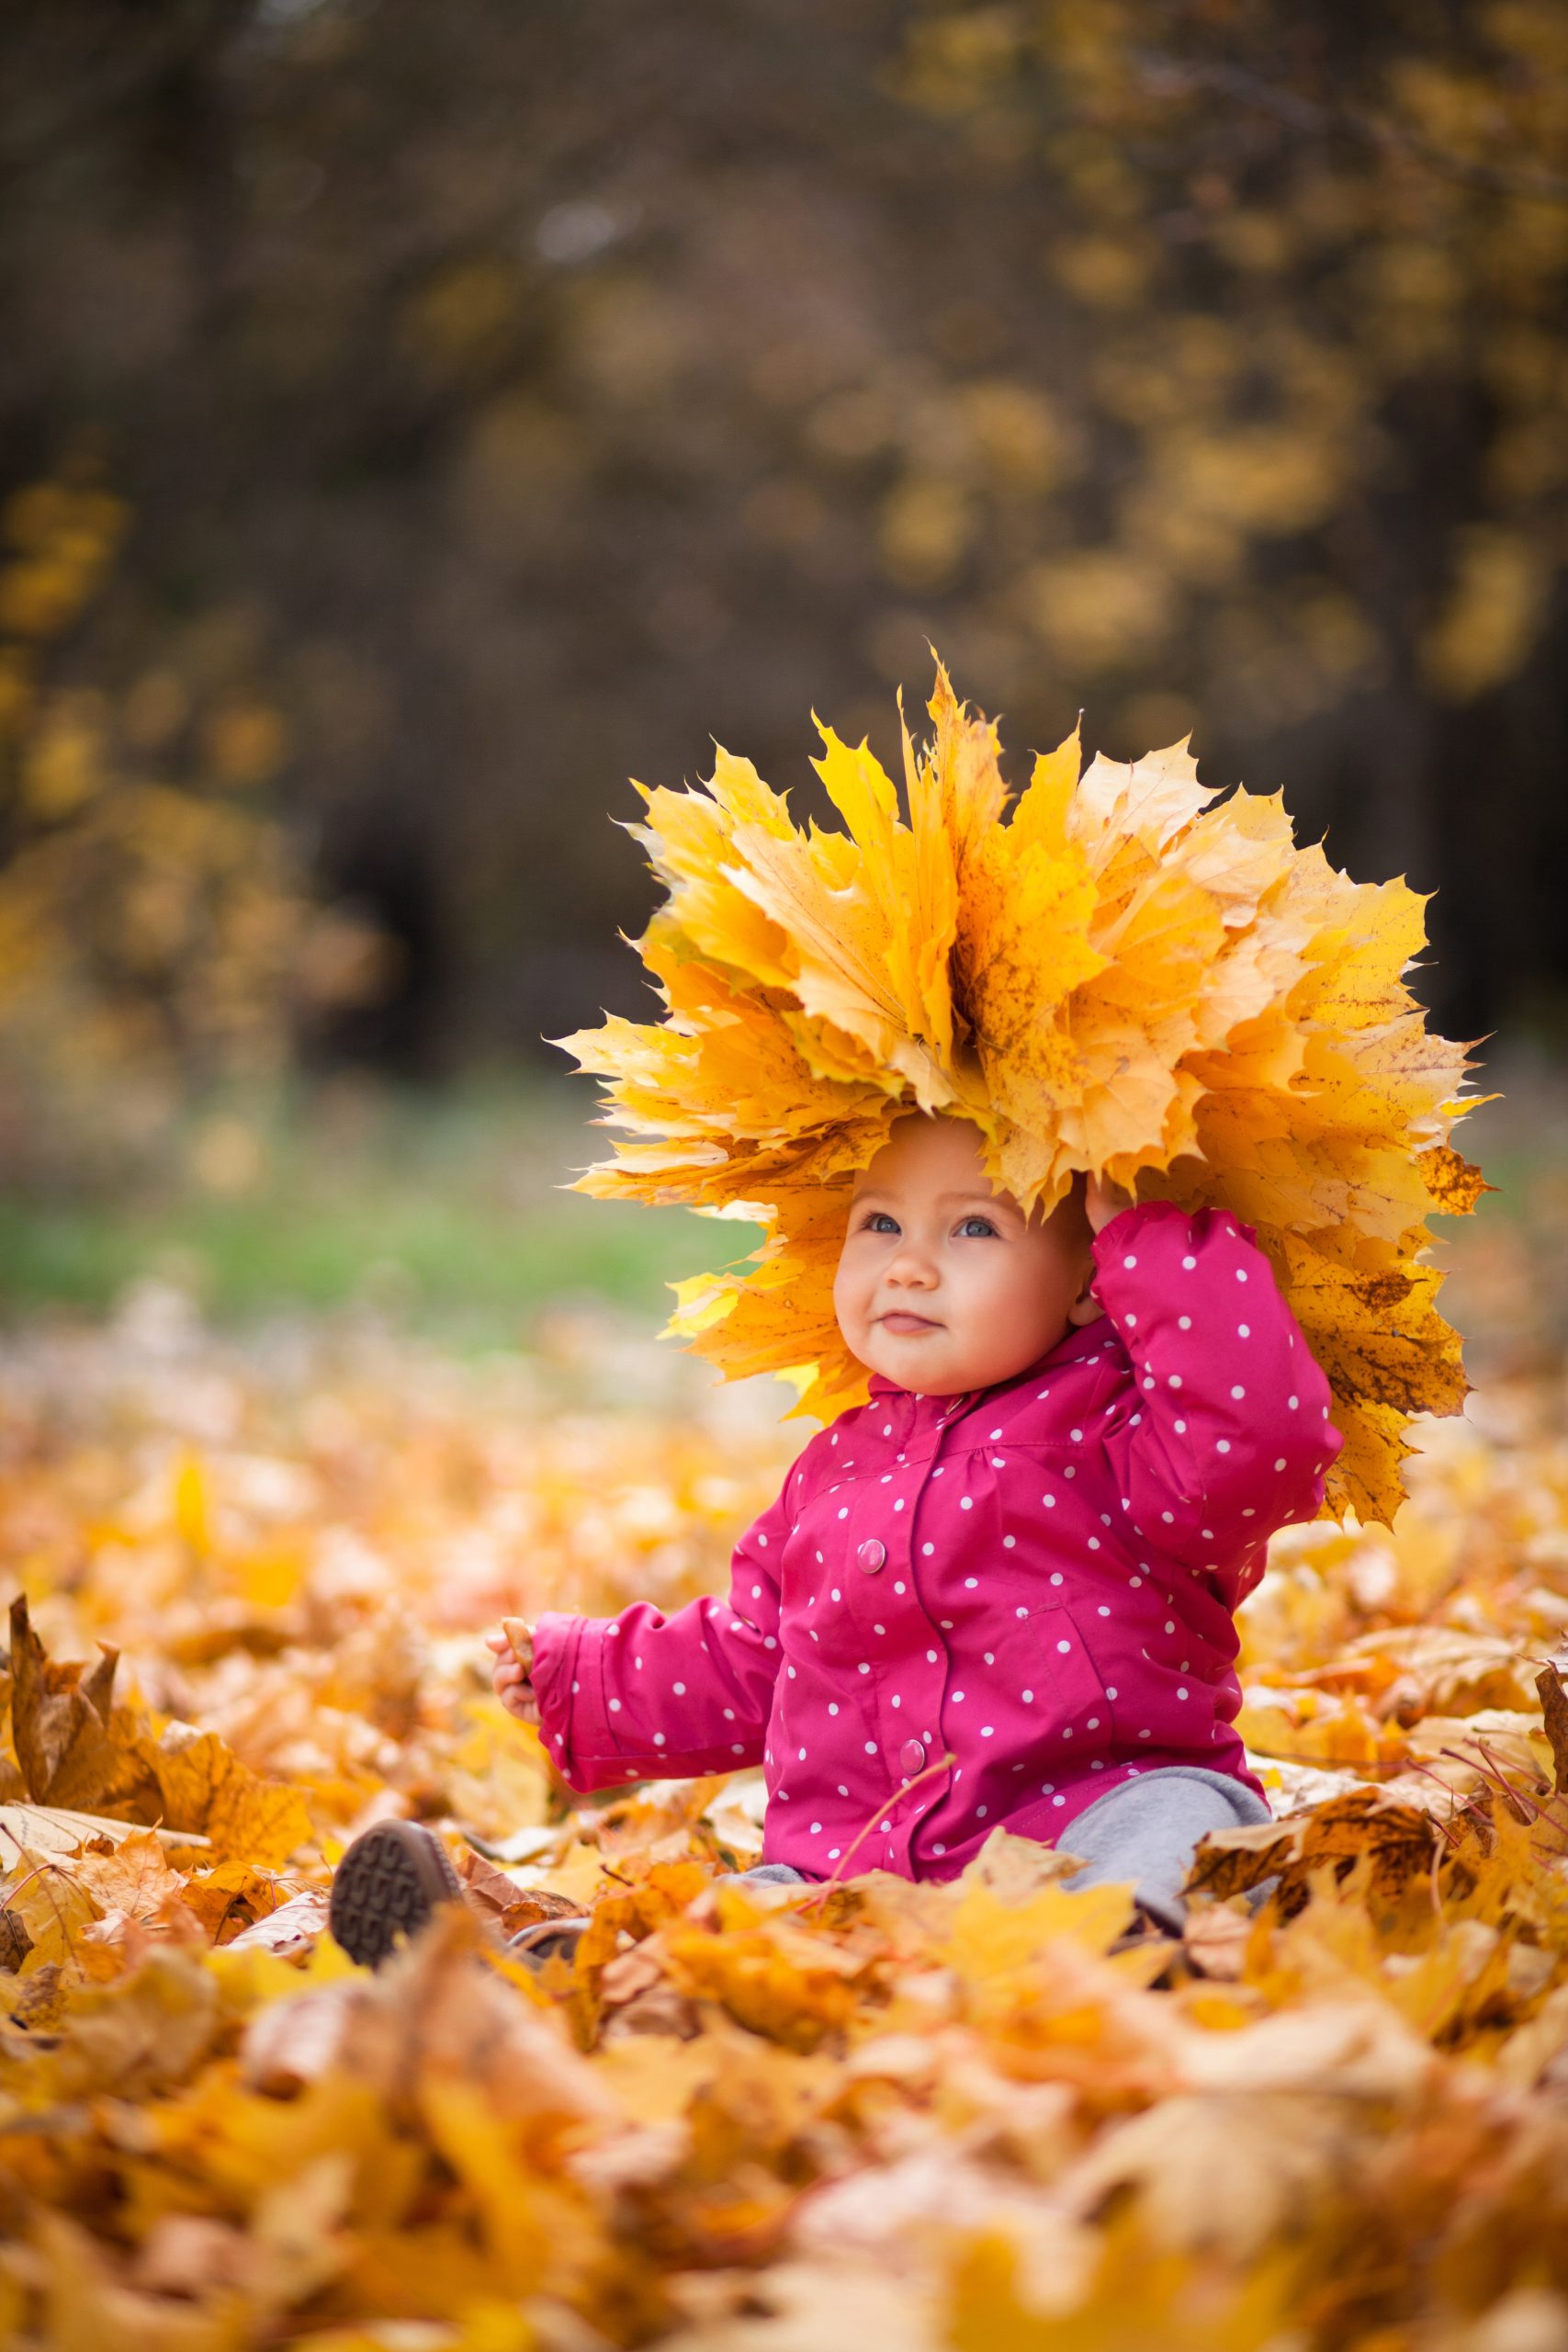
(851, 1304)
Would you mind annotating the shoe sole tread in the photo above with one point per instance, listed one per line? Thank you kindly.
(386, 1885)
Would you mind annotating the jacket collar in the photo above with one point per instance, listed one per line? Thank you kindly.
(882, 1387)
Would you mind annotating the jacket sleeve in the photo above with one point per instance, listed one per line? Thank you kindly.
(1224, 1433)
(643, 1696)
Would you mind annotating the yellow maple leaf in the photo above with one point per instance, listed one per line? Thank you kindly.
(134, 1878)
(54, 1908)
(205, 1787)
(1115, 978)
(773, 1976)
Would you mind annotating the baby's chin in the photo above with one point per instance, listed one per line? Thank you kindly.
(933, 1363)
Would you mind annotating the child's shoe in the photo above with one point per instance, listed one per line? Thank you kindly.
(388, 1885)
(546, 1939)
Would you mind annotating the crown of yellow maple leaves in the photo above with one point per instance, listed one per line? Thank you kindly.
(1118, 979)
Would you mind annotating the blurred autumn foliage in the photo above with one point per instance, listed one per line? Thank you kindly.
(481, 404)
(156, 931)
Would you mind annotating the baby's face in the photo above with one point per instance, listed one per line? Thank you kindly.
(941, 1285)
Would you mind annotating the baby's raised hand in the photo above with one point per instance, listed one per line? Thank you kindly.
(512, 1675)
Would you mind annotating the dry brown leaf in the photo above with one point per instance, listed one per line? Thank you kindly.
(230, 1896)
(1554, 1708)
(503, 1902)
(1398, 1842)
(15, 1942)
(54, 1829)
(71, 1749)
(291, 1929)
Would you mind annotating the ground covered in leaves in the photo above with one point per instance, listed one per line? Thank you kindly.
(249, 1587)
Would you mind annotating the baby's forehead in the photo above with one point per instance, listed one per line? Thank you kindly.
(934, 1186)
(933, 1164)
(935, 1152)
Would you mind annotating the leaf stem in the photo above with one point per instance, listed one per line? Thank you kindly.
(943, 1764)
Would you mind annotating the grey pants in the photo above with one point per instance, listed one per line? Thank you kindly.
(1146, 1829)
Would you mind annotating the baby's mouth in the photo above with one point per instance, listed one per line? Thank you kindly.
(902, 1320)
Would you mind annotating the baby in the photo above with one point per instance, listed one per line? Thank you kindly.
(1001, 1593)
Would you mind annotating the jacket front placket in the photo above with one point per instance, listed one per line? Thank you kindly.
(900, 1664)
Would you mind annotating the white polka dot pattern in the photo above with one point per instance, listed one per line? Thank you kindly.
(1062, 1559)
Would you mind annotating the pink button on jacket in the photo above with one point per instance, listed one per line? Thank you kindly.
(1037, 1577)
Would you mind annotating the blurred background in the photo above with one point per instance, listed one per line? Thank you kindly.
(415, 421)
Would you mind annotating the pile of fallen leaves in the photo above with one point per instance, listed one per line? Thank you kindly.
(248, 1587)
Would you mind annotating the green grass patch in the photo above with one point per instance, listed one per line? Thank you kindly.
(444, 1211)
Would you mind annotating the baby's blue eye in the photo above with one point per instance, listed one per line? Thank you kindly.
(978, 1219)
(870, 1220)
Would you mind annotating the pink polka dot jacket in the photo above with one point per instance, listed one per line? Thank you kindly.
(1038, 1579)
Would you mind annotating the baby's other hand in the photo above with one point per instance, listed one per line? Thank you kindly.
(1102, 1201)
(512, 1675)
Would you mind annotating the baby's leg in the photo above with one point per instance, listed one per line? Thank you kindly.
(1147, 1830)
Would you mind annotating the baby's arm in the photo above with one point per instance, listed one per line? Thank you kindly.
(1226, 1434)
(643, 1696)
